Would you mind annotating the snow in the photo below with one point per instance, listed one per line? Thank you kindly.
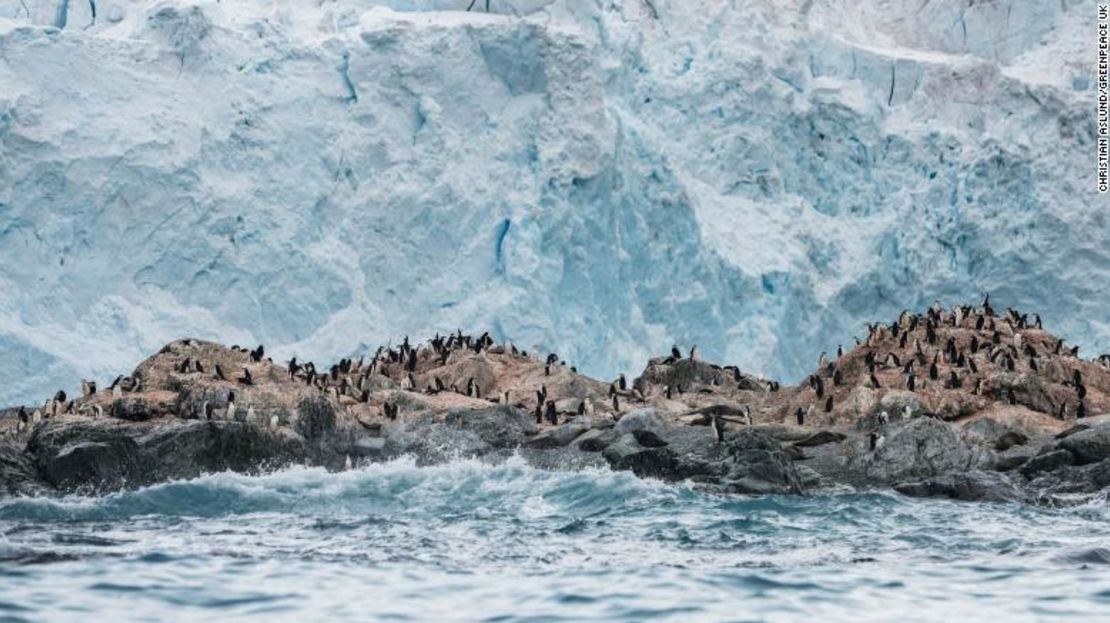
(602, 178)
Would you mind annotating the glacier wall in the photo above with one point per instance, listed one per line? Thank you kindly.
(601, 177)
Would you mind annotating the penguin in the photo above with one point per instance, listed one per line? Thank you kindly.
(246, 378)
(347, 465)
(978, 387)
(256, 354)
(207, 411)
(581, 408)
(1017, 341)
(829, 404)
(911, 382)
(550, 414)
(1037, 321)
(884, 418)
(616, 403)
(220, 373)
(1062, 414)
(875, 382)
(547, 370)
(392, 411)
(1076, 377)
(971, 364)
(675, 353)
(60, 396)
(694, 352)
(719, 428)
(933, 372)
(88, 388)
(838, 379)
(539, 415)
(1081, 391)
(24, 419)
(839, 351)
(1033, 365)
(800, 416)
(408, 383)
(873, 440)
(250, 413)
(623, 383)
(821, 361)
(667, 392)
(953, 380)
(230, 406)
(1080, 411)
(274, 421)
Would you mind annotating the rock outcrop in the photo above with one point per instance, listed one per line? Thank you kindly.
(960, 404)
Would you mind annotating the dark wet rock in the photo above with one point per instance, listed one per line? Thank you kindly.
(640, 419)
(627, 454)
(967, 486)
(1047, 462)
(757, 464)
(1010, 439)
(18, 475)
(923, 448)
(1010, 463)
(648, 439)
(1088, 446)
(558, 436)
(794, 452)
(1057, 487)
(821, 438)
(499, 427)
(102, 456)
(596, 440)
(1071, 431)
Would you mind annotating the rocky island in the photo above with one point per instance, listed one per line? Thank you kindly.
(962, 403)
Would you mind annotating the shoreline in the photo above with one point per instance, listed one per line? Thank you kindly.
(959, 403)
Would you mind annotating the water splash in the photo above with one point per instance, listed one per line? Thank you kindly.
(472, 540)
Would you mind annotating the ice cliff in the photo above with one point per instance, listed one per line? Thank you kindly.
(757, 178)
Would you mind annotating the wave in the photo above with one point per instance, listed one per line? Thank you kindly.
(461, 487)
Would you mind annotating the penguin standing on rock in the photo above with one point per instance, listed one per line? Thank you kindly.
(719, 428)
(800, 416)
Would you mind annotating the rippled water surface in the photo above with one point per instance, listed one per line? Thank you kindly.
(471, 541)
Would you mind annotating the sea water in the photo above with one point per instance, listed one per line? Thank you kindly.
(472, 541)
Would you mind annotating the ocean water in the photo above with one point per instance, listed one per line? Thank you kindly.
(470, 541)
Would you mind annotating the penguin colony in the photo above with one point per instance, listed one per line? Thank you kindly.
(965, 351)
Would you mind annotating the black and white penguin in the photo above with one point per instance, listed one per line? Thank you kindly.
(829, 405)
(550, 414)
(246, 378)
(718, 428)
(622, 383)
(875, 382)
(800, 416)
(219, 373)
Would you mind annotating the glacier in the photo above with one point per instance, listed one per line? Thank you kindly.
(596, 177)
